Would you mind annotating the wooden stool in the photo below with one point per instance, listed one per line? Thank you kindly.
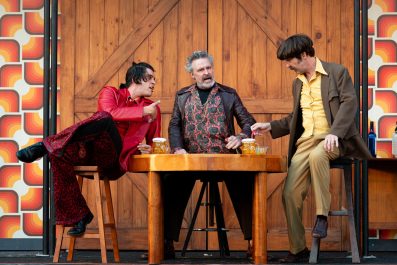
(61, 232)
(346, 165)
(214, 204)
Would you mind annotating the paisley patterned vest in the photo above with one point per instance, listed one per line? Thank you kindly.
(205, 127)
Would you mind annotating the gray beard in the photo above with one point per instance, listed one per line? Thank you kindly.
(205, 85)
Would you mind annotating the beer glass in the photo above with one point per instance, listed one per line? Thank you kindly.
(159, 145)
(249, 146)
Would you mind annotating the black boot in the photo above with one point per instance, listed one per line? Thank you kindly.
(32, 153)
(79, 228)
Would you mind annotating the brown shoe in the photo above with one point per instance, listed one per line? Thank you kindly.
(321, 227)
(302, 256)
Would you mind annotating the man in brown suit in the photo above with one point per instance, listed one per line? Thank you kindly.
(321, 128)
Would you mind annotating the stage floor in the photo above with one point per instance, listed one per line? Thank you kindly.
(134, 257)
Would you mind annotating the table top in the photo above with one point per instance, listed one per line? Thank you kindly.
(207, 162)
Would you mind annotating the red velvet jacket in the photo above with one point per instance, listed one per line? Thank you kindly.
(128, 116)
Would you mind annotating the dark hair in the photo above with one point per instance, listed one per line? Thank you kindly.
(294, 46)
(136, 73)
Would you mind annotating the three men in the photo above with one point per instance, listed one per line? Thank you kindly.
(321, 128)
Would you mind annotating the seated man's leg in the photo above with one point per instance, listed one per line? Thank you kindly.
(177, 190)
(98, 127)
(241, 189)
(70, 205)
(320, 176)
(295, 190)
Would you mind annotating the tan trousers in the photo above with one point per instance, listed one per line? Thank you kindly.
(310, 164)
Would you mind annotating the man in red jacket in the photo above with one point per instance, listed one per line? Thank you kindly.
(107, 139)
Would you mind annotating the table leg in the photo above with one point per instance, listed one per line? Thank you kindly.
(155, 219)
(259, 219)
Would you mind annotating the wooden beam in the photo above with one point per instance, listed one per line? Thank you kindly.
(124, 51)
(264, 21)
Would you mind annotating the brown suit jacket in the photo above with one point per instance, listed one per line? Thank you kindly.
(340, 106)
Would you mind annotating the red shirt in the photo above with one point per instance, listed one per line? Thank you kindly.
(128, 116)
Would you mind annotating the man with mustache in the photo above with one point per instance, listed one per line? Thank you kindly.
(203, 122)
(321, 128)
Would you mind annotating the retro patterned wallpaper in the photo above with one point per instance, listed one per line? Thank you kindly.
(382, 72)
(382, 81)
(21, 111)
(21, 104)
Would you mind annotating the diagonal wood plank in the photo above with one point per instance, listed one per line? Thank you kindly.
(140, 180)
(263, 20)
(123, 52)
(274, 181)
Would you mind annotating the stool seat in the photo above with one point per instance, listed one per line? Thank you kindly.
(91, 173)
(345, 164)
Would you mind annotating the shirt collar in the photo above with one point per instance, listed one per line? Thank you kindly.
(320, 68)
(129, 99)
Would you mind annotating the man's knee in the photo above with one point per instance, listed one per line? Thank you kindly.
(317, 156)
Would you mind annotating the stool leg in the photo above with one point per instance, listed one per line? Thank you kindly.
(72, 240)
(112, 221)
(59, 235)
(98, 202)
(222, 237)
(347, 174)
(193, 221)
(315, 250)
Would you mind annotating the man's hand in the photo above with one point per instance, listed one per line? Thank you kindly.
(330, 141)
(144, 148)
(259, 128)
(180, 151)
(151, 110)
(233, 142)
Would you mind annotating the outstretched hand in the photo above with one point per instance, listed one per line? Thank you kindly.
(260, 128)
(151, 111)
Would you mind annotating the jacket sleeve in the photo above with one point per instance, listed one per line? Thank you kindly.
(243, 117)
(175, 127)
(108, 101)
(281, 127)
(347, 104)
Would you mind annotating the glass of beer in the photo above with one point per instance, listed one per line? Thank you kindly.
(159, 146)
(261, 150)
(249, 146)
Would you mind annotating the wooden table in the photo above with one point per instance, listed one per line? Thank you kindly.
(155, 164)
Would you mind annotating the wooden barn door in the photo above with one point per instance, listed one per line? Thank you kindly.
(101, 38)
